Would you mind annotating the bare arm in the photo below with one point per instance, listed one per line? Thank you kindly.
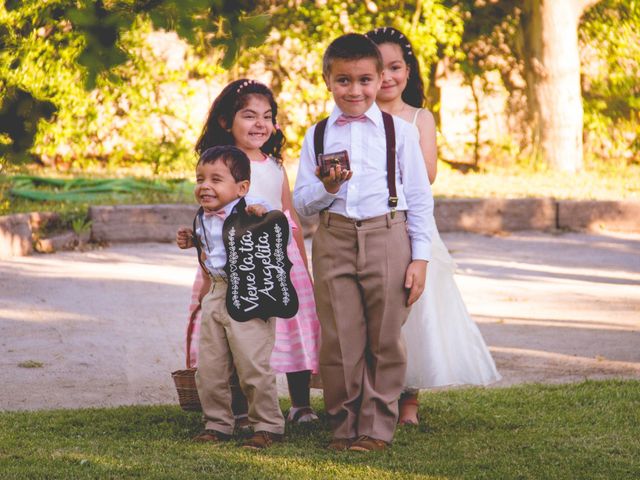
(287, 204)
(204, 289)
(427, 129)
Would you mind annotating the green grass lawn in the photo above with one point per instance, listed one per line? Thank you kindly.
(589, 430)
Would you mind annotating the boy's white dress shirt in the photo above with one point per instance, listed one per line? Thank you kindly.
(213, 246)
(366, 194)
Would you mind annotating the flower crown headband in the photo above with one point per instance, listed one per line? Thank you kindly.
(390, 33)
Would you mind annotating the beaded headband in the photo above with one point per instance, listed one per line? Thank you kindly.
(391, 33)
(245, 84)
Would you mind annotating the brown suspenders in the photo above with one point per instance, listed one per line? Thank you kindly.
(390, 136)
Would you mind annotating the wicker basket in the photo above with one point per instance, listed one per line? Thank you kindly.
(185, 380)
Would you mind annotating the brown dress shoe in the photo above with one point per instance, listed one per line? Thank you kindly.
(211, 436)
(368, 444)
(261, 440)
(340, 444)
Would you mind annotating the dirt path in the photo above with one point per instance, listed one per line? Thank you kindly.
(105, 327)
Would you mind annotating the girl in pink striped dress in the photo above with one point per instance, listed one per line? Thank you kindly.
(244, 115)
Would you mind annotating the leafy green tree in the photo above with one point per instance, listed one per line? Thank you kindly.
(51, 51)
(291, 57)
(81, 80)
(539, 49)
(610, 49)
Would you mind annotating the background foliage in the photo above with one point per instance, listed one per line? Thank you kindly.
(611, 92)
(292, 56)
(126, 83)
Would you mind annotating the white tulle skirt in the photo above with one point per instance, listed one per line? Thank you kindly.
(444, 345)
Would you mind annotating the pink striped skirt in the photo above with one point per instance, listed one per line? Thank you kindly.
(297, 338)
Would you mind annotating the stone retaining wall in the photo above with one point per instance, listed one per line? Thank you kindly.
(15, 235)
(622, 216)
(495, 214)
(158, 223)
(139, 223)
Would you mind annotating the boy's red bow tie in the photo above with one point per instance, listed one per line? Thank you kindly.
(345, 119)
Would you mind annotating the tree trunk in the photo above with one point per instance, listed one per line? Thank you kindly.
(552, 68)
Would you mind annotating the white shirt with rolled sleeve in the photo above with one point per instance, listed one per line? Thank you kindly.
(366, 194)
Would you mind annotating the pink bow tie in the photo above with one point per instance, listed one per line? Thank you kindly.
(345, 119)
(217, 213)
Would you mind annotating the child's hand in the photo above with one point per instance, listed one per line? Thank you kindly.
(256, 210)
(184, 237)
(337, 176)
(414, 280)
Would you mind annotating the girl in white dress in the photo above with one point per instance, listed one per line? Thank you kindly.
(444, 345)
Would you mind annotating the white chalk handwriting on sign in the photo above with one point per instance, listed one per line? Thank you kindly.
(258, 268)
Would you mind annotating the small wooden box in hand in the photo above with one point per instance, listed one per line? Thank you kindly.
(328, 160)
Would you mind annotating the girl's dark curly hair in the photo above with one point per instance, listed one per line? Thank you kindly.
(413, 93)
(233, 98)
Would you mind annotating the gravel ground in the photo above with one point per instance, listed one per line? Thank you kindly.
(105, 327)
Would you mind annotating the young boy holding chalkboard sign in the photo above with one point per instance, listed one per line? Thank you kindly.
(235, 329)
(363, 171)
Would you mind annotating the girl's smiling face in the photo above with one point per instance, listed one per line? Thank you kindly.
(395, 73)
(253, 125)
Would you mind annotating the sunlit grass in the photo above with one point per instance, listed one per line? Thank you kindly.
(519, 183)
(586, 430)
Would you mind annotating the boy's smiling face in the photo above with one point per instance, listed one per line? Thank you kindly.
(354, 84)
(216, 187)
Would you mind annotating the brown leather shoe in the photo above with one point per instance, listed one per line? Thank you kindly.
(261, 440)
(368, 444)
(340, 444)
(211, 436)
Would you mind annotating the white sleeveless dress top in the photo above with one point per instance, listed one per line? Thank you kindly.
(415, 117)
(266, 182)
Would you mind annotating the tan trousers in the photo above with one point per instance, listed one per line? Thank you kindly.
(359, 270)
(224, 343)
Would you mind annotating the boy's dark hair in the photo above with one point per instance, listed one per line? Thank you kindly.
(413, 93)
(235, 159)
(233, 98)
(352, 46)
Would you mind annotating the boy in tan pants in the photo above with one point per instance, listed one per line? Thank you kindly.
(371, 249)
(222, 179)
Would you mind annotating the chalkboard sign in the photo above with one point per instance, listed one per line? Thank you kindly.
(258, 268)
